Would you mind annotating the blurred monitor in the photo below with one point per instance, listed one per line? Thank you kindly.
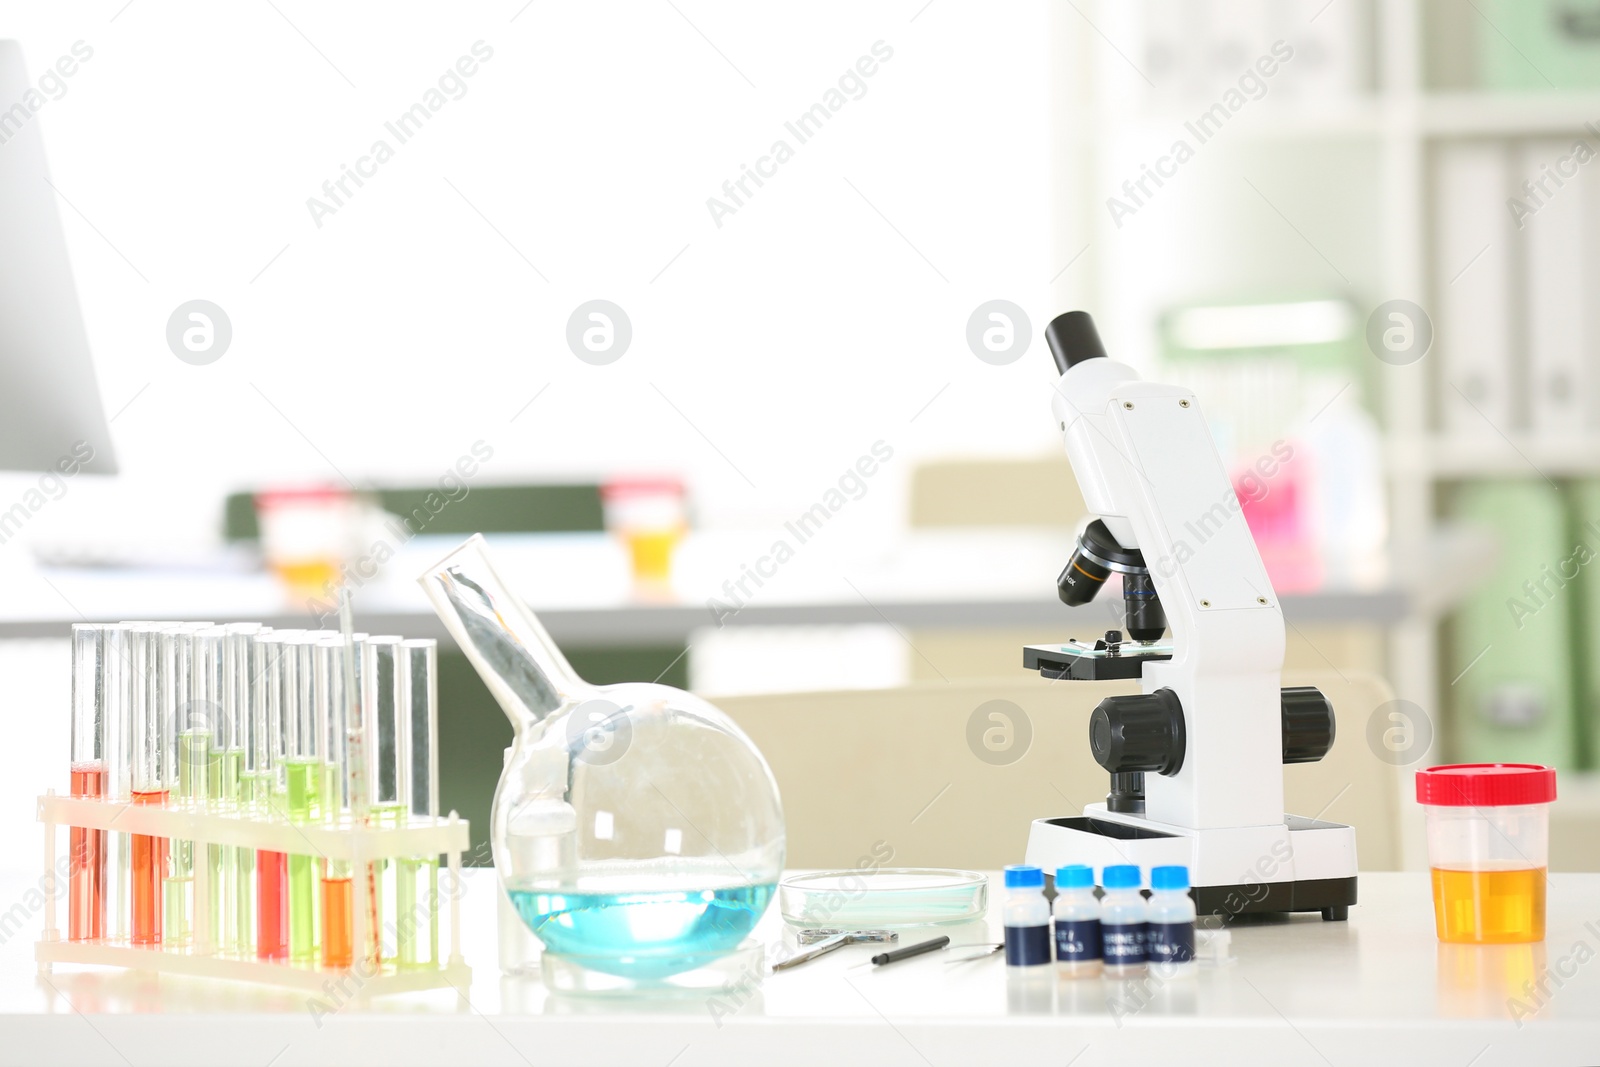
(49, 401)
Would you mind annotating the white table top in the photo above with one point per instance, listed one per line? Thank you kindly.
(579, 585)
(1378, 989)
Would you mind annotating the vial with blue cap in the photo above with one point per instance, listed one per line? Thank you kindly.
(1077, 923)
(1026, 915)
(1169, 923)
(1122, 921)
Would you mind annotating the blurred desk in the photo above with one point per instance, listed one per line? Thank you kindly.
(1376, 990)
(579, 585)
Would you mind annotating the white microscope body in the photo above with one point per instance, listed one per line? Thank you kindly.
(1150, 471)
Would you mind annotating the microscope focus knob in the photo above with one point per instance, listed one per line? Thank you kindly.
(1140, 732)
(1308, 726)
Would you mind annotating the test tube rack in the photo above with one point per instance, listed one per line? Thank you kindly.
(358, 845)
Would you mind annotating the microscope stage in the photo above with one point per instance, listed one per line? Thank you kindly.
(1082, 662)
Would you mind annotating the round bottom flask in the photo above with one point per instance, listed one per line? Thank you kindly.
(637, 831)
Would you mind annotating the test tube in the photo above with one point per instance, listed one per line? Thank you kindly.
(382, 667)
(120, 676)
(233, 869)
(191, 701)
(239, 909)
(265, 753)
(382, 685)
(333, 712)
(148, 855)
(417, 878)
(304, 777)
(328, 686)
(86, 904)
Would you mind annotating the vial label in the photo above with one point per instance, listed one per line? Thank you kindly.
(1027, 946)
(1124, 943)
(1170, 942)
(1078, 940)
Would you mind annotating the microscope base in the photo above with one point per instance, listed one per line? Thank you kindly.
(1314, 870)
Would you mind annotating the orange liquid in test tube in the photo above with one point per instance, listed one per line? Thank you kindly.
(148, 858)
(337, 904)
(86, 908)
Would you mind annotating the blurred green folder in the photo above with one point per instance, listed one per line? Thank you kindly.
(1509, 663)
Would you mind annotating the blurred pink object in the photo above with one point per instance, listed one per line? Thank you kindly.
(1273, 497)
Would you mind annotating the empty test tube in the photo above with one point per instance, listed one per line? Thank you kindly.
(417, 877)
(382, 697)
(382, 714)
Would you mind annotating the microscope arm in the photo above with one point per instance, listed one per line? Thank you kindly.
(1151, 473)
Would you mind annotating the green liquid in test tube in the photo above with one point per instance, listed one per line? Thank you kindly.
(233, 882)
(304, 779)
(194, 653)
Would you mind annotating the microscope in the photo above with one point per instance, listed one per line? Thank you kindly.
(1195, 758)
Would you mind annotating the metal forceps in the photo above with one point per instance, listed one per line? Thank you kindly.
(823, 942)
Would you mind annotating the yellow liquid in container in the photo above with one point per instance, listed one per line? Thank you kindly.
(308, 577)
(1495, 907)
(651, 551)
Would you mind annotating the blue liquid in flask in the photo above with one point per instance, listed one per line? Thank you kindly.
(646, 934)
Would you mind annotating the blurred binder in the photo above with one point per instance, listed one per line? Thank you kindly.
(1556, 225)
(1585, 504)
(1542, 45)
(1473, 282)
(1509, 664)
(1195, 51)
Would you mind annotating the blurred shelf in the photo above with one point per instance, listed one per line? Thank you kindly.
(1471, 113)
(1513, 456)
(1488, 113)
(973, 578)
(1365, 116)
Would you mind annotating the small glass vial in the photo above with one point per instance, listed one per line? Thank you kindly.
(1122, 919)
(1027, 919)
(1077, 923)
(1169, 923)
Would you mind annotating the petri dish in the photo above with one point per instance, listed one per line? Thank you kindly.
(885, 896)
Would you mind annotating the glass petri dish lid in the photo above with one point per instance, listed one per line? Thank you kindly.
(884, 896)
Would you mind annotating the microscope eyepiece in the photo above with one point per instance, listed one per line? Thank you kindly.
(1073, 339)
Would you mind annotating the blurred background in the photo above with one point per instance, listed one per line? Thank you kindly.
(723, 322)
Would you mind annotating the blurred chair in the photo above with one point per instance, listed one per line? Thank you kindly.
(894, 765)
(996, 492)
(1044, 493)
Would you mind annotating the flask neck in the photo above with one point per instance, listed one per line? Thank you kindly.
(505, 642)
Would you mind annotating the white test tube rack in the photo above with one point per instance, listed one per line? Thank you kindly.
(358, 845)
